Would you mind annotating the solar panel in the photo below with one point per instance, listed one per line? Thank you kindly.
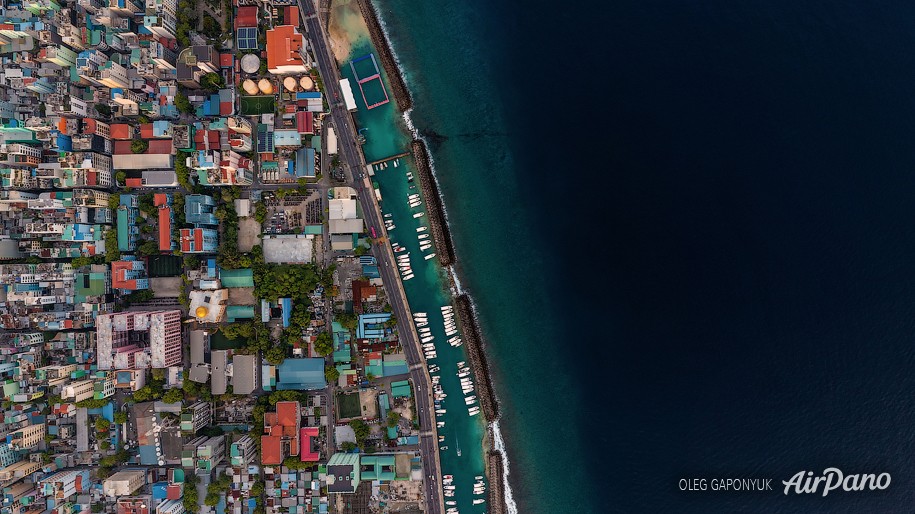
(247, 38)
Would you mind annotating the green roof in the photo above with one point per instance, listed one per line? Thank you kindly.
(236, 312)
(315, 230)
(400, 389)
(89, 284)
(123, 231)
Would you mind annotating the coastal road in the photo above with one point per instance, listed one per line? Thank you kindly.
(354, 164)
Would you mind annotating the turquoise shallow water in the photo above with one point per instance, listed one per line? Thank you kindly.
(450, 70)
(386, 135)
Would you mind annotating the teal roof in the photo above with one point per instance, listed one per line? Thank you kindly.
(400, 389)
(237, 312)
(301, 374)
(377, 467)
(123, 231)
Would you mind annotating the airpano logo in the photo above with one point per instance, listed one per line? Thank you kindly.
(803, 482)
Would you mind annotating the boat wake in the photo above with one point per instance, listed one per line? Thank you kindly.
(499, 444)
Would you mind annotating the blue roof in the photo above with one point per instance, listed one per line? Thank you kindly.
(246, 38)
(370, 271)
(148, 455)
(286, 305)
(301, 374)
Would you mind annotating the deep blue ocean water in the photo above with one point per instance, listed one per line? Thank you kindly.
(688, 228)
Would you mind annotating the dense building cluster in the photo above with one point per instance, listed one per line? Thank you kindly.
(187, 319)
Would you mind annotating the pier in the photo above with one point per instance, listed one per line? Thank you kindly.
(380, 42)
(437, 224)
(474, 344)
(495, 475)
(389, 159)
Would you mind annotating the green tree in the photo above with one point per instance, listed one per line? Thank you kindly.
(103, 109)
(295, 463)
(348, 446)
(79, 262)
(362, 431)
(121, 178)
(260, 212)
(120, 418)
(101, 424)
(275, 355)
(92, 403)
(183, 104)
(347, 319)
(331, 373)
(173, 396)
(324, 344)
(104, 444)
(143, 295)
(212, 82)
(139, 145)
(147, 248)
(112, 253)
(393, 418)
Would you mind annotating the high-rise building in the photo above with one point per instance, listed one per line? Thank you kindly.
(136, 340)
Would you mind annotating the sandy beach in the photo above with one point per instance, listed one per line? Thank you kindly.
(345, 27)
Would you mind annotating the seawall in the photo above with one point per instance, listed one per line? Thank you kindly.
(496, 479)
(474, 344)
(434, 209)
(380, 42)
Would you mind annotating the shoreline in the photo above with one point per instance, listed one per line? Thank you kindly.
(495, 459)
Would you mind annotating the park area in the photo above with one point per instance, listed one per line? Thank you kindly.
(348, 406)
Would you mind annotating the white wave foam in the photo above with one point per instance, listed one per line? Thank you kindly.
(457, 280)
(499, 444)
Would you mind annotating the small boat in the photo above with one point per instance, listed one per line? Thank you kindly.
(419, 214)
(450, 503)
(388, 215)
(431, 255)
(422, 229)
(478, 501)
(479, 477)
(395, 164)
(442, 448)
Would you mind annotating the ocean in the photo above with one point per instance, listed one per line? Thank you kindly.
(687, 229)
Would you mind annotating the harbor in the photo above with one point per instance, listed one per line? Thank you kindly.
(414, 227)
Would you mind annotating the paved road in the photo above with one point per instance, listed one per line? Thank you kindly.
(354, 166)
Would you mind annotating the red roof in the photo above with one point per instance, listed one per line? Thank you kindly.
(225, 108)
(119, 270)
(165, 229)
(121, 148)
(271, 450)
(121, 131)
(305, 122)
(305, 437)
(159, 146)
(160, 199)
(146, 131)
(287, 413)
(226, 60)
(246, 17)
(173, 492)
(291, 15)
(134, 182)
